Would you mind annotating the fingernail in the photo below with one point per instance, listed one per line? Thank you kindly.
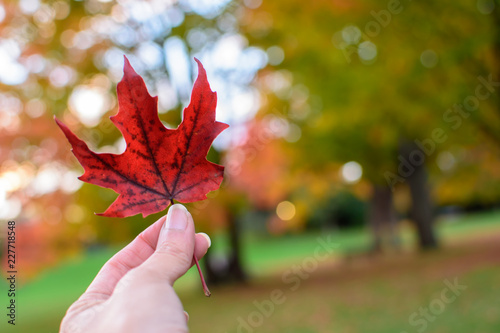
(207, 238)
(176, 218)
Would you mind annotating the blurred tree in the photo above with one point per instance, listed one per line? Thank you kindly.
(64, 58)
(377, 84)
(489, 121)
(255, 179)
(348, 81)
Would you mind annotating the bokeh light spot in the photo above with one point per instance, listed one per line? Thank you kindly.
(351, 172)
(485, 7)
(429, 58)
(2, 13)
(367, 51)
(276, 55)
(285, 210)
(446, 161)
(89, 104)
(351, 34)
(29, 6)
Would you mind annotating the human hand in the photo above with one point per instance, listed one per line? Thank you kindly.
(133, 291)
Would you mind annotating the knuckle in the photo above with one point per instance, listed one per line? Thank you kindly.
(177, 251)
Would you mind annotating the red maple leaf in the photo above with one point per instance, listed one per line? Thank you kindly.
(159, 164)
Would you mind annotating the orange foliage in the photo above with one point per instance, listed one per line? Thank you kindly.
(259, 166)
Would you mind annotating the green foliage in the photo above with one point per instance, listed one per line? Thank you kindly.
(427, 58)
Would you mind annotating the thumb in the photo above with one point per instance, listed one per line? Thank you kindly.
(174, 250)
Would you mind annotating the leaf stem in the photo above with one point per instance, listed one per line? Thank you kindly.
(203, 283)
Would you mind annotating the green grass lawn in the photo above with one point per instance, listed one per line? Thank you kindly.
(377, 300)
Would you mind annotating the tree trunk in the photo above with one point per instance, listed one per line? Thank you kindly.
(209, 271)
(382, 219)
(235, 268)
(422, 207)
(216, 273)
(489, 127)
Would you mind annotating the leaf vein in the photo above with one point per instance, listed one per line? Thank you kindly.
(150, 151)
